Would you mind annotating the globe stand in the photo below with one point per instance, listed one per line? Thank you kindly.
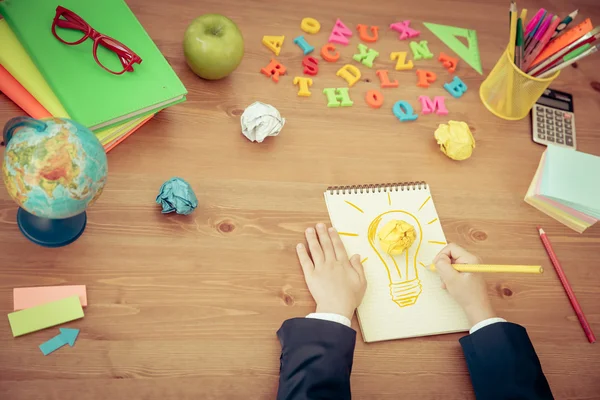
(51, 232)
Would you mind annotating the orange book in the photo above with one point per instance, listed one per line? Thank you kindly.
(17, 93)
(109, 146)
(564, 40)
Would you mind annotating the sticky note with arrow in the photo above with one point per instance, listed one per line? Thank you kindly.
(66, 336)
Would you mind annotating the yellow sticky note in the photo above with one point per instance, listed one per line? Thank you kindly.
(44, 316)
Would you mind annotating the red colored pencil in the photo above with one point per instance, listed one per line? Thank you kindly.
(563, 279)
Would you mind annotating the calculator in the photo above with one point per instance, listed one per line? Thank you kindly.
(553, 119)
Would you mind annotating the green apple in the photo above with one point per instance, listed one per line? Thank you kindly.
(213, 46)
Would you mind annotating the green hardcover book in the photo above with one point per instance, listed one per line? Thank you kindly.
(91, 95)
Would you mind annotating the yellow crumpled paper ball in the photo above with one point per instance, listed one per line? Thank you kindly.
(455, 140)
(396, 236)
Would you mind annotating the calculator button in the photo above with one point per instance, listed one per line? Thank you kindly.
(569, 140)
(550, 138)
(560, 141)
(540, 119)
(559, 129)
(558, 122)
(550, 122)
(541, 131)
(559, 135)
(557, 113)
(568, 132)
(539, 108)
(541, 136)
(568, 117)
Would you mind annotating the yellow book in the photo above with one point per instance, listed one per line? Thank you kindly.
(15, 59)
(17, 62)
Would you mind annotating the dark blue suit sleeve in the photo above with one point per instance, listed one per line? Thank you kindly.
(503, 364)
(316, 360)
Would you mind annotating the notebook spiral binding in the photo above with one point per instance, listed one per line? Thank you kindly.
(377, 188)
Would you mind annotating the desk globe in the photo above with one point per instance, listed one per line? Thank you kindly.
(54, 169)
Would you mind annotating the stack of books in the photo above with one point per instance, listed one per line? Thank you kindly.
(566, 186)
(55, 61)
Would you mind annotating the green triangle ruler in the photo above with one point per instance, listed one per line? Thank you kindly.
(448, 34)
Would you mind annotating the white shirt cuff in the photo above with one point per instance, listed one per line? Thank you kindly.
(340, 319)
(484, 323)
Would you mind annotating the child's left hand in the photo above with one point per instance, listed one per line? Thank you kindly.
(336, 283)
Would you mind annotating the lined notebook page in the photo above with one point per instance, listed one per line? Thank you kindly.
(405, 313)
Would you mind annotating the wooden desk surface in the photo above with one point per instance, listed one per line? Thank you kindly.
(187, 307)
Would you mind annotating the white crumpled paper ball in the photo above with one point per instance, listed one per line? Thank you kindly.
(261, 120)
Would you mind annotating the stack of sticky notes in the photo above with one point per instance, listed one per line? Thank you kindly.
(566, 186)
(38, 308)
(46, 77)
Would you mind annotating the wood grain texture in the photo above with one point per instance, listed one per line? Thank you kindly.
(187, 307)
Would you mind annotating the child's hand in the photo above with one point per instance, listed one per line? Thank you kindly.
(337, 283)
(469, 290)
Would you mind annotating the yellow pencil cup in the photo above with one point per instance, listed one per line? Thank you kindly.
(510, 93)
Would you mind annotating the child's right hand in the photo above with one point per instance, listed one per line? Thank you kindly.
(469, 290)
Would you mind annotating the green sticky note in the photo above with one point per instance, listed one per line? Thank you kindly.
(44, 316)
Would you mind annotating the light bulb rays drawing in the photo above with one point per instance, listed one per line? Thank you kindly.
(405, 285)
(402, 270)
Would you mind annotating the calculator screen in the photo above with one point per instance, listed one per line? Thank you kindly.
(562, 105)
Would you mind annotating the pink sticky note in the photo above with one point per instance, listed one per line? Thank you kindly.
(34, 296)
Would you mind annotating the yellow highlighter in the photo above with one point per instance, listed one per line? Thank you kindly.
(518, 269)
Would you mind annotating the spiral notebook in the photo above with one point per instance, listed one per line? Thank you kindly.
(403, 299)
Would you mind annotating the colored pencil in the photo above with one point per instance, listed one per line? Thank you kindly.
(537, 49)
(571, 58)
(519, 269)
(564, 23)
(587, 38)
(523, 17)
(570, 294)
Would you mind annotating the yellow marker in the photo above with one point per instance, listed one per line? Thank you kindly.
(350, 73)
(517, 269)
(273, 43)
(401, 64)
(303, 84)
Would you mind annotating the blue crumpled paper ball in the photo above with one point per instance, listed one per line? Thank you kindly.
(176, 195)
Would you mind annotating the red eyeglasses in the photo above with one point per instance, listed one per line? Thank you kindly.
(71, 22)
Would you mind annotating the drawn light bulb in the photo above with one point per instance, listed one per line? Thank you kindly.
(405, 285)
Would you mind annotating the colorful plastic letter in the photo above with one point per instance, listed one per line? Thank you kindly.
(382, 74)
(310, 65)
(350, 73)
(327, 55)
(303, 44)
(310, 25)
(340, 33)
(437, 105)
(425, 78)
(401, 64)
(337, 97)
(448, 62)
(364, 36)
(404, 111)
(273, 70)
(273, 43)
(405, 31)
(374, 98)
(456, 88)
(420, 50)
(303, 84)
(365, 55)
